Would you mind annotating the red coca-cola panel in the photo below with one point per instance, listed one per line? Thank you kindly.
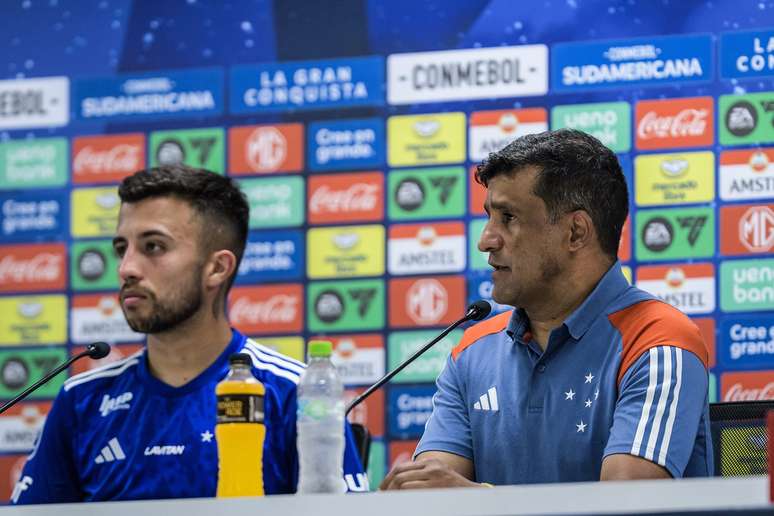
(671, 123)
(11, 466)
(426, 301)
(357, 197)
(747, 386)
(265, 149)
(107, 158)
(32, 267)
(117, 352)
(401, 451)
(267, 309)
(369, 413)
(477, 194)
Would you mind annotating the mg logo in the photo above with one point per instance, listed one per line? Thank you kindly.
(266, 149)
(427, 301)
(756, 229)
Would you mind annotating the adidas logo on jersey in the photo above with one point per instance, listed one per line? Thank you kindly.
(488, 401)
(165, 450)
(110, 453)
(109, 404)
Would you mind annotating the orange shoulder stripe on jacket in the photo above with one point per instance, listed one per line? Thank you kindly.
(493, 325)
(653, 323)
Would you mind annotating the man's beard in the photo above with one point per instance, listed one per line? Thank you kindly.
(165, 316)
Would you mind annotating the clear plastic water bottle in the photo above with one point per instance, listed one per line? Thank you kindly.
(320, 424)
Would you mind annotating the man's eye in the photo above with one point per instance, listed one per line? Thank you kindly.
(120, 251)
(153, 247)
(507, 217)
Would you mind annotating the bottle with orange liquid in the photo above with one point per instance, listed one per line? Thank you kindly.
(240, 430)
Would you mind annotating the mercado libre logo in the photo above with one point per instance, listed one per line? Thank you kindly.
(746, 118)
(674, 123)
(433, 139)
(33, 163)
(275, 201)
(746, 174)
(345, 251)
(609, 122)
(94, 211)
(677, 233)
(267, 309)
(747, 285)
(426, 193)
(688, 287)
(674, 178)
(265, 149)
(32, 320)
(107, 158)
(346, 305)
(198, 148)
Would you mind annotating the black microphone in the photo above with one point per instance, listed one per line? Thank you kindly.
(94, 350)
(475, 312)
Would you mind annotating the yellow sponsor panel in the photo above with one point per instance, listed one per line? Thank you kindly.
(674, 178)
(292, 347)
(94, 212)
(29, 320)
(433, 139)
(345, 251)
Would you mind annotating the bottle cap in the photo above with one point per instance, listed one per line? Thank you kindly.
(320, 348)
(240, 358)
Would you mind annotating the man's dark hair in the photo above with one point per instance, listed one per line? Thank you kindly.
(219, 202)
(575, 172)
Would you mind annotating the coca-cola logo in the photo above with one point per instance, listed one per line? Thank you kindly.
(357, 197)
(44, 267)
(737, 392)
(688, 122)
(123, 158)
(278, 309)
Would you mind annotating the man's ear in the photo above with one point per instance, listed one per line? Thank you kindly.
(219, 268)
(581, 230)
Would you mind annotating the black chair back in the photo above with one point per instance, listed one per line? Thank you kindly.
(363, 442)
(739, 437)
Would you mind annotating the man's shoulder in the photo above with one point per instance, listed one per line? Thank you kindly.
(99, 378)
(480, 331)
(272, 366)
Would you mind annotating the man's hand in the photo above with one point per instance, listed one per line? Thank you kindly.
(427, 473)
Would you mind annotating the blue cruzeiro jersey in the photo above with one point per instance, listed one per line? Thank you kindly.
(118, 433)
(625, 373)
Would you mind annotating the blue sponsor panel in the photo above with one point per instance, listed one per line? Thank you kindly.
(480, 287)
(747, 342)
(151, 95)
(323, 84)
(408, 409)
(34, 216)
(747, 54)
(272, 255)
(649, 61)
(346, 144)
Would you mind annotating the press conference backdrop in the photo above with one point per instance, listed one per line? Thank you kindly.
(354, 128)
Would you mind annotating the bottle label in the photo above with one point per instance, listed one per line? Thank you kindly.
(240, 408)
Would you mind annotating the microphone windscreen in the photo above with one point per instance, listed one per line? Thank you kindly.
(98, 350)
(479, 310)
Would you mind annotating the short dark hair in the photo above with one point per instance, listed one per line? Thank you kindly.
(575, 172)
(219, 202)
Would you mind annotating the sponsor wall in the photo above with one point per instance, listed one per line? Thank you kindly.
(357, 156)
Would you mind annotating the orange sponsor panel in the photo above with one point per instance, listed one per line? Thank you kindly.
(267, 309)
(11, 466)
(117, 352)
(426, 301)
(369, 412)
(757, 159)
(265, 149)
(33, 267)
(688, 271)
(357, 197)
(674, 123)
(107, 158)
(477, 194)
(747, 229)
(438, 229)
(518, 116)
(747, 386)
(707, 329)
(401, 451)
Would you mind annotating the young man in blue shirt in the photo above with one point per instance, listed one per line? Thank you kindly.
(588, 378)
(143, 427)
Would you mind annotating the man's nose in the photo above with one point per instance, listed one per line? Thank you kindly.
(489, 240)
(129, 266)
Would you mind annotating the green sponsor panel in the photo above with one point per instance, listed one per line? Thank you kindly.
(20, 368)
(93, 266)
(36, 163)
(426, 368)
(426, 193)
(746, 118)
(275, 201)
(747, 285)
(200, 148)
(345, 305)
(610, 122)
(713, 388)
(678, 233)
(476, 259)
(377, 464)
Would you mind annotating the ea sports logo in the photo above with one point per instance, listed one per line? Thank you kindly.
(756, 229)
(427, 301)
(266, 149)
